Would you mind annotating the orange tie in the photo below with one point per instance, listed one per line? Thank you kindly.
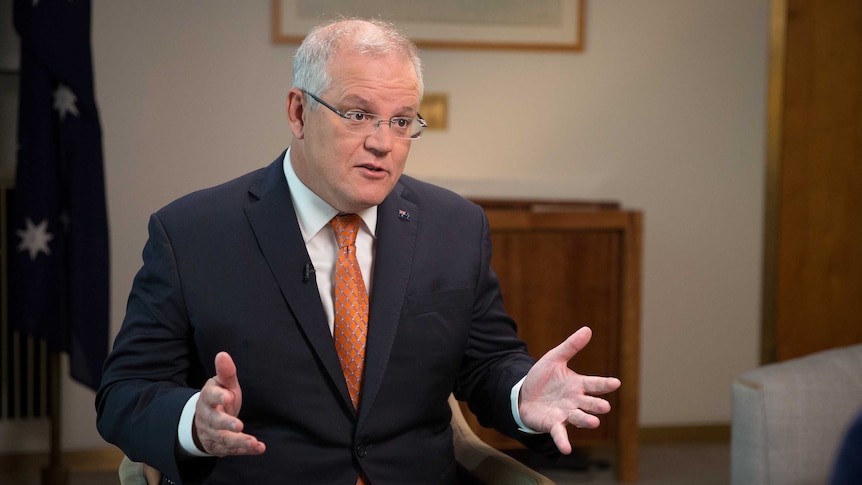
(351, 305)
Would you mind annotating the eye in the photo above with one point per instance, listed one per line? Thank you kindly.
(402, 122)
(357, 116)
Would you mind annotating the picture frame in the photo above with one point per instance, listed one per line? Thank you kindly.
(542, 25)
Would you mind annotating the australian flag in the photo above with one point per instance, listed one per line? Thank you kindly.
(58, 262)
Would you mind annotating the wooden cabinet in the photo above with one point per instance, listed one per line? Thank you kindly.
(563, 265)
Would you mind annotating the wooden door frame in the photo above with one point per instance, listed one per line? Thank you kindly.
(775, 116)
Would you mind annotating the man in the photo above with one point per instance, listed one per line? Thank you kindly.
(231, 365)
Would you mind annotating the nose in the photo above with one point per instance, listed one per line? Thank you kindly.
(382, 140)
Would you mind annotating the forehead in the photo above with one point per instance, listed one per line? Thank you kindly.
(353, 73)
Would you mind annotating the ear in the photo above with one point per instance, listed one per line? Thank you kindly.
(296, 113)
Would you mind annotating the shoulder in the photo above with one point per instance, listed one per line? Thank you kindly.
(444, 200)
(441, 213)
(208, 197)
(231, 196)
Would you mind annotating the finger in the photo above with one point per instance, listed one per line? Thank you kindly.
(580, 419)
(221, 433)
(214, 397)
(227, 443)
(593, 405)
(600, 385)
(561, 438)
(571, 346)
(213, 420)
(226, 371)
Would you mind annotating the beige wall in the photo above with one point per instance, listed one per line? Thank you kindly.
(664, 111)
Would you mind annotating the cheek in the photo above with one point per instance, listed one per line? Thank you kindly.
(399, 158)
(338, 154)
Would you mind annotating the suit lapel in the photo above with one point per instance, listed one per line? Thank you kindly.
(273, 221)
(396, 239)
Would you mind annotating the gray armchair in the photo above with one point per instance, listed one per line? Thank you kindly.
(789, 418)
(483, 462)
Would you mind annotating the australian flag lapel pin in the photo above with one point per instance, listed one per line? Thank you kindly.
(403, 215)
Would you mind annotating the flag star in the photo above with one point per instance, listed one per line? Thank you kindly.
(35, 238)
(64, 101)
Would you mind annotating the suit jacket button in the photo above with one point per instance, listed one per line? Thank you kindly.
(361, 450)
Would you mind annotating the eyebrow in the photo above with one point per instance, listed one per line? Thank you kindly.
(364, 104)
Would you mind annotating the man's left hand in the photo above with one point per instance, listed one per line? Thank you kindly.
(553, 395)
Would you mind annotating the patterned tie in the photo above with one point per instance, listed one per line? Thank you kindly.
(351, 305)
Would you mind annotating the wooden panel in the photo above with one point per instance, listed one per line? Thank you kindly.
(563, 266)
(559, 281)
(818, 267)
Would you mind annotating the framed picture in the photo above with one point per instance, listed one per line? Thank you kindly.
(471, 24)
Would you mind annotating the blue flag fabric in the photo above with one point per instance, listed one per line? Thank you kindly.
(59, 268)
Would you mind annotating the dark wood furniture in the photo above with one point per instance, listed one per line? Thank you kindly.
(563, 265)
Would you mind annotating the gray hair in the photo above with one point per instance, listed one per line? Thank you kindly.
(368, 37)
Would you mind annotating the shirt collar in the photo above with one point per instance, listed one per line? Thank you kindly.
(312, 212)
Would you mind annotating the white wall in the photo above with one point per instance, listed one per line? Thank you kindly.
(663, 111)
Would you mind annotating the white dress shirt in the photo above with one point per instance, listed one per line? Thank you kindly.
(314, 215)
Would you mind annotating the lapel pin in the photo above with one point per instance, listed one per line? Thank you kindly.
(403, 215)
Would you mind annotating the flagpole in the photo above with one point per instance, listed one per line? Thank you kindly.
(55, 473)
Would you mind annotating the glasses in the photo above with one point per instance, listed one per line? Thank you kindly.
(367, 124)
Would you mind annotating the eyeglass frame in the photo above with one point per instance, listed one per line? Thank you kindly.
(380, 120)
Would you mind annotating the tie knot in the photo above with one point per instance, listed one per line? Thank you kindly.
(346, 226)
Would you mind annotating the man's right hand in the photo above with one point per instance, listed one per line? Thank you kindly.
(216, 428)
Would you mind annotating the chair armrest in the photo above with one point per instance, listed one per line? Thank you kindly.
(136, 473)
(484, 462)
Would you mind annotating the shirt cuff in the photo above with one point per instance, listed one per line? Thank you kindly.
(184, 431)
(514, 397)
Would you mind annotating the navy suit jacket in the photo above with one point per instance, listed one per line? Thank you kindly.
(224, 270)
(848, 466)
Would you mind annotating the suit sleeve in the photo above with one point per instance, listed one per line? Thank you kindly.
(153, 368)
(496, 358)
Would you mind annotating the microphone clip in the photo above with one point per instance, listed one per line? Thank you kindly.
(307, 272)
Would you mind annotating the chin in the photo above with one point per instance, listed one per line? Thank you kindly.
(374, 197)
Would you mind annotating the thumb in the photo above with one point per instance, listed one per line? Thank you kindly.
(561, 438)
(571, 346)
(226, 372)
